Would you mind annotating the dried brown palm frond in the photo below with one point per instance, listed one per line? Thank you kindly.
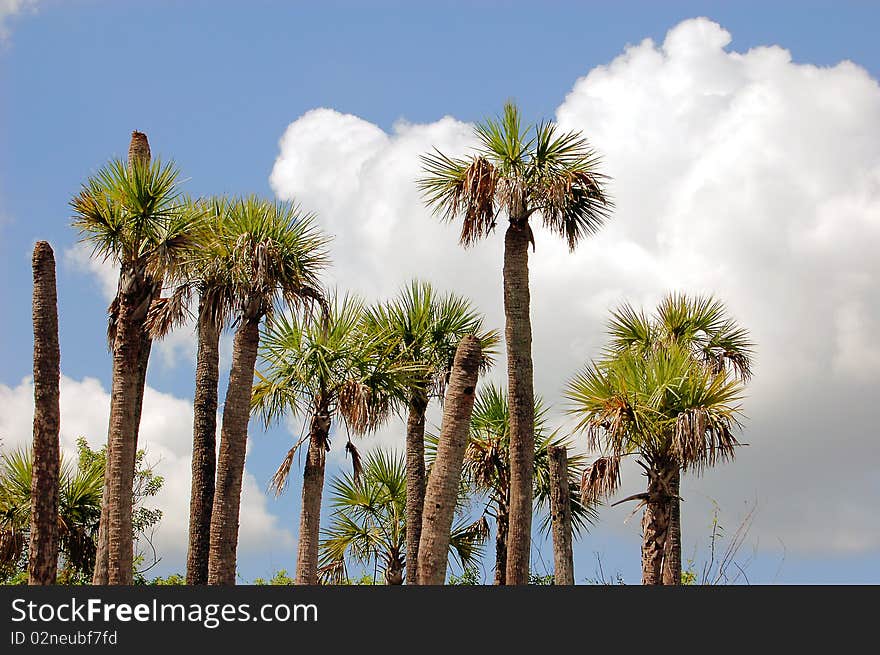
(356, 466)
(332, 573)
(279, 478)
(11, 545)
(478, 530)
(600, 480)
(701, 439)
(511, 193)
(485, 460)
(477, 201)
(167, 313)
(354, 405)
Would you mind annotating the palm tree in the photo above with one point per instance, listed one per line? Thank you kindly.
(321, 370)
(368, 524)
(275, 252)
(133, 215)
(77, 512)
(486, 469)
(519, 171)
(444, 483)
(205, 273)
(701, 325)
(43, 550)
(427, 328)
(668, 410)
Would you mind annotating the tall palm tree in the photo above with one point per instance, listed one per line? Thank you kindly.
(444, 483)
(43, 550)
(132, 215)
(77, 512)
(322, 370)
(486, 469)
(275, 253)
(368, 523)
(427, 327)
(519, 171)
(701, 325)
(668, 410)
(205, 273)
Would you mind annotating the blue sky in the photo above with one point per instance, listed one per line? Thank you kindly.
(216, 84)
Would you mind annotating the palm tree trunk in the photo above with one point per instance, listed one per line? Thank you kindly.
(101, 572)
(443, 483)
(204, 457)
(655, 525)
(672, 556)
(230, 462)
(121, 389)
(312, 492)
(415, 483)
(501, 530)
(560, 512)
(43, 548)
(518, 334)
(126, 396)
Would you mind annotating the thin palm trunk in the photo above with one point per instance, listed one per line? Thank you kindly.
(672, 557)
(230, 462)
(131, 352)
(655, 525)
(122, 445)
(415, 484)
(204, 457)
(518, 334)
(312, 492)
(43, 548)
(443, 483)
(560, 513)
(502, 522)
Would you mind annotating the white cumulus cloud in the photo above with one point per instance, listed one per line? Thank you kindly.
(743, 174)
(166, 435)
(10, 8)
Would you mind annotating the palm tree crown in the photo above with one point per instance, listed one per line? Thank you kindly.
(519, 170)
(368, 523)
(332, 365)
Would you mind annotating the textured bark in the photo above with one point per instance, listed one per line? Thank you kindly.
(136, 291)
(230, 463)
(43, 548)
(443, 483)
(312, 492)
(518, 334)
(99, 575)
(204, 458)
(501, 530)
(415, 484)
(672, 556)
(129, 368)
(560, 514)
(394, 570)
(655, 525)
(138, 148)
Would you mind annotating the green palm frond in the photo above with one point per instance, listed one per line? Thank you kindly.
(425, 329)
(134, 213)
(660, 404)
(275, 252)
(519, 169)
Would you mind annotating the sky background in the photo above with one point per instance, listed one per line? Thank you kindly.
(743, 140)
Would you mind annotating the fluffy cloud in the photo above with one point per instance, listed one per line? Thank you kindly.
(9, 8)
(741, 174)
(166, 434)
